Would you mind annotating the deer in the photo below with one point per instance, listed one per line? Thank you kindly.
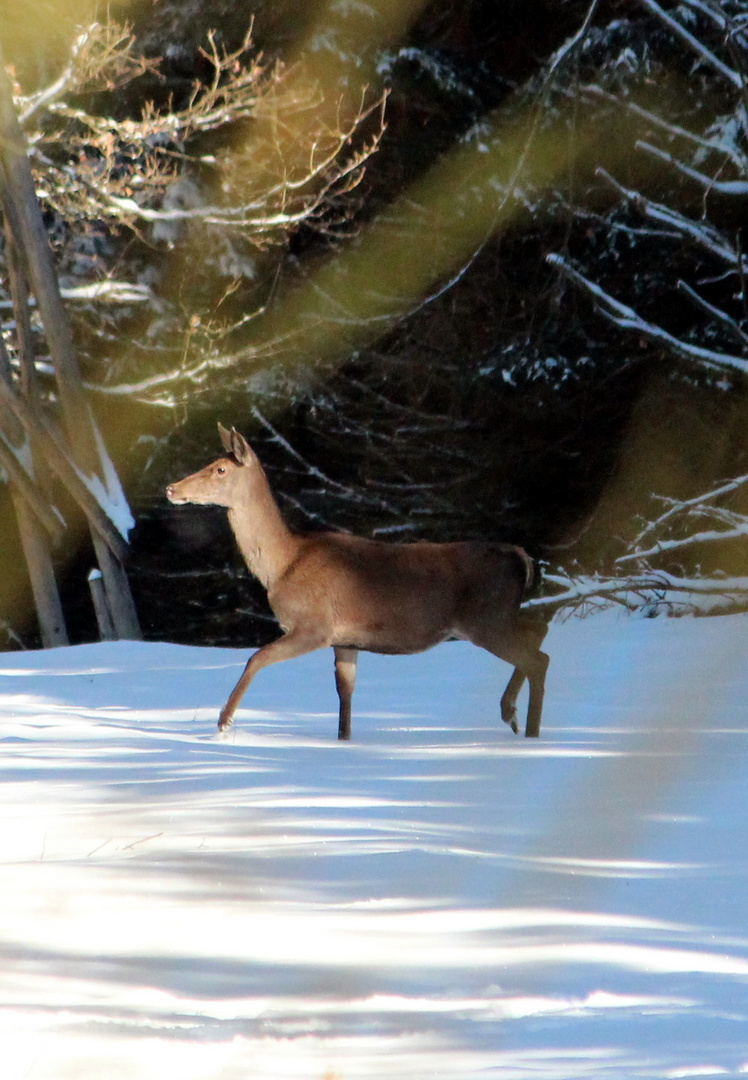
(354, 593)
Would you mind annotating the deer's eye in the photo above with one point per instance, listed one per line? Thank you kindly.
(221, 470)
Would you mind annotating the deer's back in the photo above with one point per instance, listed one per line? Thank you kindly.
(397, 597)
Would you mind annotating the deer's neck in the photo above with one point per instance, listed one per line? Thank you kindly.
(267, 544)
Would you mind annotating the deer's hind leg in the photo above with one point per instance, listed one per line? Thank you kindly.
(509, 699)
(518, 643)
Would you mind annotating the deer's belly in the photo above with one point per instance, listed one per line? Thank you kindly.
(390, 640)
(401, 615)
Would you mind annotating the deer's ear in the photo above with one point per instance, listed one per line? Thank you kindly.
(240, 447)
(225, 438)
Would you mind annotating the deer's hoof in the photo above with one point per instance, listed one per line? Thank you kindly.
(511, 720)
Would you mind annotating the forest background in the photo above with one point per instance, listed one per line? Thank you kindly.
(464, 270)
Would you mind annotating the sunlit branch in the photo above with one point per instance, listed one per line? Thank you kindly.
(45, 97)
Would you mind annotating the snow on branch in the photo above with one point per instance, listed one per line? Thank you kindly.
(679, 516)
(628, 319)
(678, 506)
(702, 233)
(732, 76)
(709, 183)
(709, 143)
(656, 590)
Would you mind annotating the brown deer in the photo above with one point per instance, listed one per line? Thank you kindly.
(352, 593)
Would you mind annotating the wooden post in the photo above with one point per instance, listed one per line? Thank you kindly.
(19, 292)
(46, 439)
(26, 486)
(41, 574)
(101, 606)
(117, 588)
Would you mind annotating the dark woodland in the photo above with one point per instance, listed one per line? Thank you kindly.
(502, 297)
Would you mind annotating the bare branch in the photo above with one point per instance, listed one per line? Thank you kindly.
(329, 483)
(101, 57)
(677, 506)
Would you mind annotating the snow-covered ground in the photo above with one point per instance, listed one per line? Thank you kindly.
(437, 900)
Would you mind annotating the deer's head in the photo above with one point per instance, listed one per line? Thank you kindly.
(222, 482)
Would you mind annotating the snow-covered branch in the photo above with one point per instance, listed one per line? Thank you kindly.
(705, 142)
(715, 313)
(702, 233)
(674, 524)
(694, 43)
(737, 188)
(628, 319)
(654, 590)
(679, 506)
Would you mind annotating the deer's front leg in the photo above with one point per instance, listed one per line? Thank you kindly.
(295, 643)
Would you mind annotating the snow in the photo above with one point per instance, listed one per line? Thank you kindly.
(437, 899)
